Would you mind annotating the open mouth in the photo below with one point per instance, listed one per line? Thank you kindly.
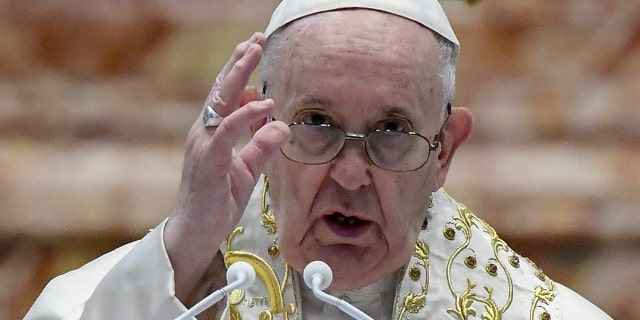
(346, 226)
(341, 219)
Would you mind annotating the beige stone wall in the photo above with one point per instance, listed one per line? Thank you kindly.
(553, 164)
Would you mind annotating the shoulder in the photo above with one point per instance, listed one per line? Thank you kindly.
(66, 294)
(482, 272)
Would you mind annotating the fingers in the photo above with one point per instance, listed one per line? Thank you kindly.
(226, 136)
(229, 85)
(238, 53)
(264, 143)
(251, 94)
(237, 124)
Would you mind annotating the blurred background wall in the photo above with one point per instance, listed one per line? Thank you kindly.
(96, 98)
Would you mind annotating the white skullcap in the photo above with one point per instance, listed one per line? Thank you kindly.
(428, 13)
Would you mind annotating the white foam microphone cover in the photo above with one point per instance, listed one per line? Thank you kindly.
(317, 269)
(236, 269)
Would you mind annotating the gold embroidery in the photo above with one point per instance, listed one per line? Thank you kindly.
(492, 269)
(268, 219)
(234, 314)
(422, 252)
(449, 233)
(498, 245)
(464, 304)
(471, 302)
(465, 221)
(267, 275)
(542, 295)
(273, 250)
(470, 262)
(414, 273)
(413, 302)
(467, 302)
(236, 297)
(514, 261)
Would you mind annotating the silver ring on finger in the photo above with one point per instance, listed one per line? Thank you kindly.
(217, 84)
(217, 100)
(210, 118)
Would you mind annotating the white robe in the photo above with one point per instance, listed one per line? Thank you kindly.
(460, 269)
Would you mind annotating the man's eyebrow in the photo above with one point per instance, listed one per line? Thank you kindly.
(398, 111)
(386, 110)
(314, 100)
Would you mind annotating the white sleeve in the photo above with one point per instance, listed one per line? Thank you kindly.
(134, 281)
(575, 307)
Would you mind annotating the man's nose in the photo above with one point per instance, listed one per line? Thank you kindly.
(351, 168)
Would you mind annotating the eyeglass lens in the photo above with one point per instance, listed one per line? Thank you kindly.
(389, 150)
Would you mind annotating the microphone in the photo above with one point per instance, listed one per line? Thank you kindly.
(318, 276)
(240, 275)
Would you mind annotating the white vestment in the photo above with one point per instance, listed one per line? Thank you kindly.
(460, 269)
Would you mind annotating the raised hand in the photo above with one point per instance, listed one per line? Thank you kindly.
(217, 180)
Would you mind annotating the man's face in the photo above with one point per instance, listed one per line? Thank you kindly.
(360, 70)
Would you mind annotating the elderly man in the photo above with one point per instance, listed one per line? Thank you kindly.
(359, 138)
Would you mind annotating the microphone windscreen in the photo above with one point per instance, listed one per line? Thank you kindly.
(238, 268)
(317, 268)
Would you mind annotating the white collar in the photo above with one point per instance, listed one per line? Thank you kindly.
(376, 300)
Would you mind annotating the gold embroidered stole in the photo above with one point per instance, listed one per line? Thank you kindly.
(460, 269)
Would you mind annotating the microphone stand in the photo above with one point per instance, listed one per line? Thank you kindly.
(240, 275)
(318, 276)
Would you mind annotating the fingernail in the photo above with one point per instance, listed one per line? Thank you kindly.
(254, 37)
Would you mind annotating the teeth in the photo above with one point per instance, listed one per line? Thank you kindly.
(339, 218)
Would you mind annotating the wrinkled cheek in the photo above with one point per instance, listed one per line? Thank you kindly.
(286, 187)
(281, 197)
(291, 247)
(404, 242)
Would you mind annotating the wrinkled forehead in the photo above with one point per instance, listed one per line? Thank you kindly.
(428, 13)
(361, 37)
(329, 57)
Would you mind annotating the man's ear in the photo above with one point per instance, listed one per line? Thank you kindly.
(456, 132)
(249, 94)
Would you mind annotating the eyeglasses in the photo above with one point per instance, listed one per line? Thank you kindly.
(389, 150)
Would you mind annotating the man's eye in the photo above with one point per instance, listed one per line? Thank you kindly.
(394, 126)
(315, 119)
